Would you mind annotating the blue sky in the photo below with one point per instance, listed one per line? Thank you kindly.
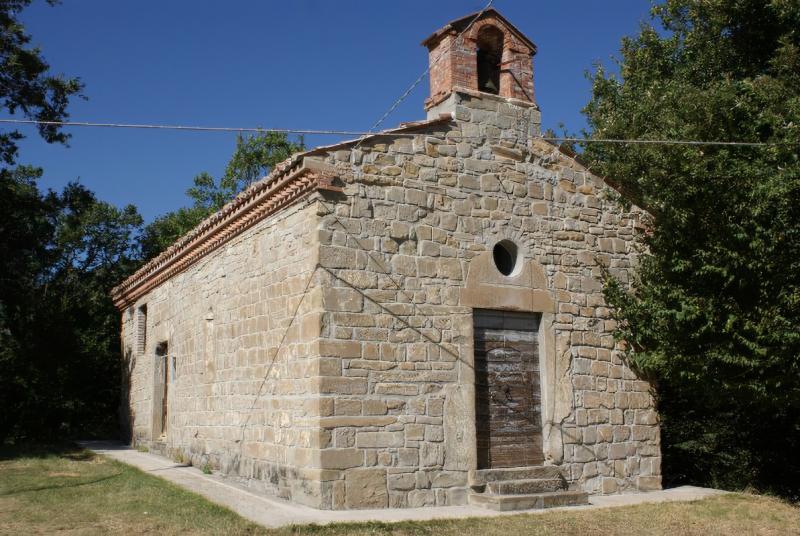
(308, 64)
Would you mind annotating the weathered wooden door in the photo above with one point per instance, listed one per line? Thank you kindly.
(165, 399)
(161, 390)
(507, 391)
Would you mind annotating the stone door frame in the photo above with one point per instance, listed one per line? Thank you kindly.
(527, 291)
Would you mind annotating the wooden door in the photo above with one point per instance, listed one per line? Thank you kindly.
(161, 390)
(507, 391)
(165, 399)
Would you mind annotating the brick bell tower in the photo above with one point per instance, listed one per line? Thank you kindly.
(491, 57)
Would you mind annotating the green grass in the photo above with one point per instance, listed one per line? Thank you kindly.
(70, 490)
(73, 490)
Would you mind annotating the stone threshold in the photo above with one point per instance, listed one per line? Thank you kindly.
(274, 512)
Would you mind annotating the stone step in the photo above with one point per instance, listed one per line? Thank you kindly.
(505, 503)
(527, 486)
(484, 476)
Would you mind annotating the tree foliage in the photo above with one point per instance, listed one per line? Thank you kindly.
(252, 159)
(255, 156)
(26, 84)
(60, 254)
(714, 313)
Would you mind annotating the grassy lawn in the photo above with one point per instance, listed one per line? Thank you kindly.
(72, 491)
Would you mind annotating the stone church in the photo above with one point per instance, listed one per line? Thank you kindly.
(412, 318)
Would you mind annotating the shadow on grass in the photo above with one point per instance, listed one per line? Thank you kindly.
(66, 450)
(69, 450)
(62, 485)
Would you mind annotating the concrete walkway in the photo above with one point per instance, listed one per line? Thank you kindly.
(274, 512)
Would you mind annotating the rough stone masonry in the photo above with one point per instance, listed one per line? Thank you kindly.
(413, 318)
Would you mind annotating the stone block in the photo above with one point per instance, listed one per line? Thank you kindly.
(375, 407)
(450, 269)
(342, 386)
(404, 265)
(407, 389)
(446, 150)
(347, 406)
(469, 182)
(434, 433)
(609, 485)
(392, 171)
(431, 454)
(646, 416)
(617, 451)
(429, 249)
(416, 197)
(456, 496)
(448, 479)
(341, 458)
(341, 257)
(379, 439)
(336, 348)
(421, 497)
(605, 433)
(398, 499)
(415, 432)
(366, 488)
(583, 453)
(643, 433)
(329, 366)
(408, 457)
(648, 483)
(402, 481)
(400, 230)
(621, 433)
(357, 420)
(435, 407)
(344, 437)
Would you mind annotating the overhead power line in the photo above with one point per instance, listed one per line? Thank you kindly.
(179, 127)
(260, 130)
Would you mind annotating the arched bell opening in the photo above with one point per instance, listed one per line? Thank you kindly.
(489, 58)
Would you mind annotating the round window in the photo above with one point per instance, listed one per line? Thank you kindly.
(505, 256)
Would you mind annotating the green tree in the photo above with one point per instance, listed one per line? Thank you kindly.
(255, 156)
(26, 84)
(252, 159)
(60, 254)
(714, 312)
(59, 357)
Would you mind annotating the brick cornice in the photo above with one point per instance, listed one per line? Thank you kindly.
(455, 26)
(289, 182)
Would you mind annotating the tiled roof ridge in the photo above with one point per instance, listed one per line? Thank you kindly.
(216, 220)
(239, 213)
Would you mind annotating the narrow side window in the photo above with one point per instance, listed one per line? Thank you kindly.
(141, 329)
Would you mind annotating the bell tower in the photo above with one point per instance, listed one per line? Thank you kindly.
(483, 53)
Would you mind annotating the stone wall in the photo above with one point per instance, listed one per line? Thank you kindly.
(405, 256)
(234, 404)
